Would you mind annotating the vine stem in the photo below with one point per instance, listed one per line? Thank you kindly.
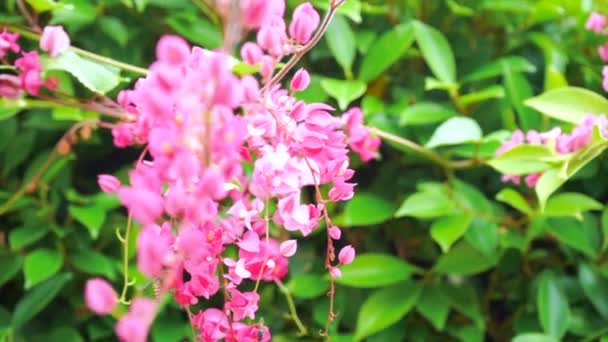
(292, 308)
(295, 58)
(428, 154)
(105, 60)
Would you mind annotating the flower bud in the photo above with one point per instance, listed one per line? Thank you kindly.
(335, 272)
(596, 22)
(108, 183)
(347, 255)
(99, 296)
(10, 86)
(251, 53)
(288, 248)
(335, 232)
(64, 147)
(54, 40)
(173, 50)
(300, 80)
(304, 22)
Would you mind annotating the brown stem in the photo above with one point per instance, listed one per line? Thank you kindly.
(28, 16)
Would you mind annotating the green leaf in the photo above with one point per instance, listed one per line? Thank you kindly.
(41, 6)
(483, 236)
(92, 262)
(455, 131)
(436, 51)
(308, 285)
(552, 304)
(41, 264)
(385, 307)
(426, 205)
(518, 90)
(525, 159)
(115, 29)
(75, 14)
(534, 337)
(569, 104)
(193, 27)
(350, 8)
(387, 50)
(18, 150)
(10, 108)
(547, 184)
(96, 77)
(570, 204)
(463, 259)
(341, 42)
(604, 228)
(569, 232)
(491, 92)
(24, 236)
(63, 334)
(495, 68)
(367, 209)
(465, 300)
(344, 92)
(423, 113)
(514, 199)
(447, 230)
(10, 265)
(595, 287)
(374, 270)
(433, 306)
(37, 299)
(91, 216)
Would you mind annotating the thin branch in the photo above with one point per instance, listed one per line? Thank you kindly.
(292, 308)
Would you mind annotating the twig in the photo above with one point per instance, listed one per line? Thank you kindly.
(292, 308)
(28, 16)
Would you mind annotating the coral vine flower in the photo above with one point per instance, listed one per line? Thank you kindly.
(54, 40)
(596, 22)
(99, 296)
(304, 23)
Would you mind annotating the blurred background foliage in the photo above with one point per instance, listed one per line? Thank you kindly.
(446, 251)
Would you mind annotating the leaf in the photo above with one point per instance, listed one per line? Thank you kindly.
(41, 264)
(570, 104)
(491, 92)
(595, 288)
(91, 216)
(569, 232)
(93, 262)
(341, 42)
(514, 199)
(465, 300)
(115, 29)
(463, 259)
(37, 299)
(63, 334)
(75, 14)
(387, 50)
(18, 150)
(423, 113)
(374, 270)
(10, 265)
(525, 159)
(483, 236)
(367, 209)
(547, 184)
(24, 236)
(447, 230)
(534, 337)
(455, 131)
(604, 229)
(96, 77)
(570, 204)
(385, 307)
(41, 6)
(436, 51)
(194, 28)
(433, 306)
(426, 205)
(552, 304)
(350, 8)
(344, 92)
(10, 108)
(495, 68)
(307, 285)
(518, 90)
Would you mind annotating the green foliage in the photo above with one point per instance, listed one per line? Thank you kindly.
(445, 250)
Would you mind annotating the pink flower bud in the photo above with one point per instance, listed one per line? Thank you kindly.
(172, 50)
(335, 272)
(335, 232)
(99, 296)
(347, 255)
(596, 22)
(54, 40)
(10, 86)
(304, 22)
(251, 53)
(603, 52)
(300, 80)
(108, 183)
(288, 248)
(271, 36)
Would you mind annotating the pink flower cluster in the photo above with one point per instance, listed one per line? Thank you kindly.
(597, 23)
(226, 158)
(54, 40)
(562, 143)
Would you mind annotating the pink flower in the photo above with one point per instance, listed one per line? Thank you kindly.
(153, 248)
(135, 325)
(10, 86)
(99, 296)
(255, 12)
(288, 248)
(173, 50)
(596, 22)
(335, 232)
(8, 42)
(251, 53)
(243, 304)
(304, 22)
(108, 183)
(30, 67)
(146, 206)
(346, 255)
(300, 80)
(54, 40)
(271, 36)
(335, 272)
(605, 78)
(212, 324)
(603, 52)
